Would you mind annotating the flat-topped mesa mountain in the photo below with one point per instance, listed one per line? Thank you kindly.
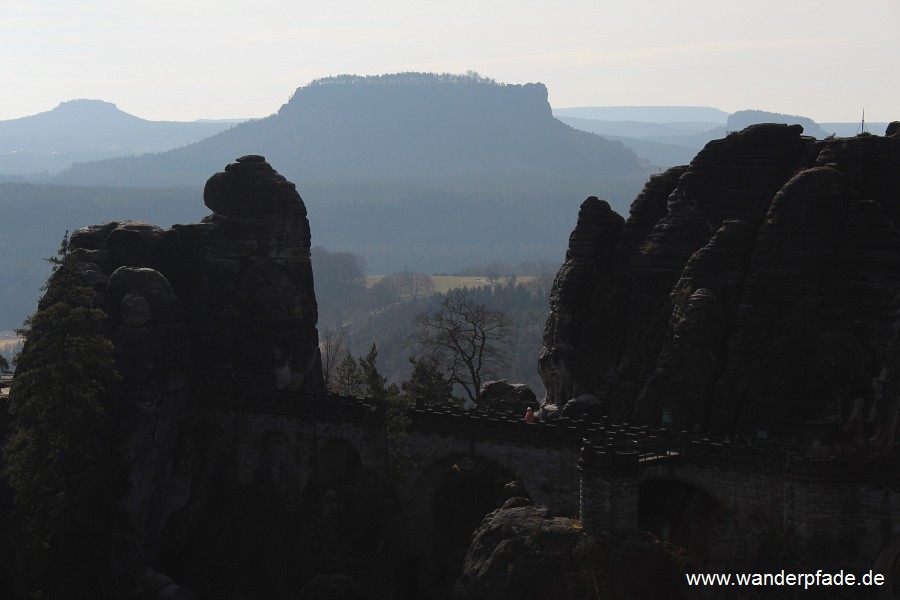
(672, 137)
(745, 118)
(426, 172)
(752, 292)
(404, 127)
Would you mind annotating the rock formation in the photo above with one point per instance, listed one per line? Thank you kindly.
(243, 277)
(751, 291)
(508, 397)
(221, 310)
(524, 552)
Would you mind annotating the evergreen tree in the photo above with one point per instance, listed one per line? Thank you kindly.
(396, 425)
(63, 458)
(372, 380)
(347, 378)
(427, 382)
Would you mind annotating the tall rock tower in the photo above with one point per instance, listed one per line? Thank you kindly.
(242, 284)
(752, 292)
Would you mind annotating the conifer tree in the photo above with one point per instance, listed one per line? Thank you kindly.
(372, 380)
(347, 380)
(63, 458)
(427, 383)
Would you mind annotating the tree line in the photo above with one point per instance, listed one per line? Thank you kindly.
(64, 532)
(461, 343)
(414, 326)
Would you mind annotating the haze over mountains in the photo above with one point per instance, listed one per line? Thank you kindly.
(671, 135)
(40, 146)
(409, 127)
(430, 172)
(412, 171)
(416, 171)
(86, 130)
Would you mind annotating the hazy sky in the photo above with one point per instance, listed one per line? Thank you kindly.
(189, 59)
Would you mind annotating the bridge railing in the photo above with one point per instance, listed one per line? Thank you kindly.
(487, 424)
(651, 446)
(329, 407)
(605, 445)
(625, 450)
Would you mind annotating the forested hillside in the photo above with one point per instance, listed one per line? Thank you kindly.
(416, 128)
(41, 145)
(414, 171)
(384, 313)
(392, 329)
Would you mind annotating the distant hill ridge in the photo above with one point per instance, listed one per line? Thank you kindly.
(83, 107)
(413, 170)
(86, 123)
(671, 135)
(84, 130)
(646, 114)
(745, 118)
(413, 127)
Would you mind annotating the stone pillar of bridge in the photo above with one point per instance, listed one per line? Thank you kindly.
(829, 501)
(610, 490)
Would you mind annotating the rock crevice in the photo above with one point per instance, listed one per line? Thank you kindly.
(761, 298)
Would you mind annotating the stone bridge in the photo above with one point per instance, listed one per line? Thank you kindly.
(732, 503)
(334, 449)
(334, 440)
(728, 503)
(543, 457)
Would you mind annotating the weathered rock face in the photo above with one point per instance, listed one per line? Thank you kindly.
(589, 259)
(584, 405)
(510, 397)
(331, 587)
(221, 309)
(243, 276)
(523, 552)
(753, 288)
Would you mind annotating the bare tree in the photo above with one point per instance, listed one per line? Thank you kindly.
(395, 287)
(416, 284)
(466, 338)
(331, 347)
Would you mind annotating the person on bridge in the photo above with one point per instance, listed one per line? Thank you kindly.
(529, 415)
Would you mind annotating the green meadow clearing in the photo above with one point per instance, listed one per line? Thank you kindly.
(444, 283)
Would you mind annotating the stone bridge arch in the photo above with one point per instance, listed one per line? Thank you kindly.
(547, 470)
(336, 477)
(680, 513)
(276, 464)
(712, 512)
(444, 504)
